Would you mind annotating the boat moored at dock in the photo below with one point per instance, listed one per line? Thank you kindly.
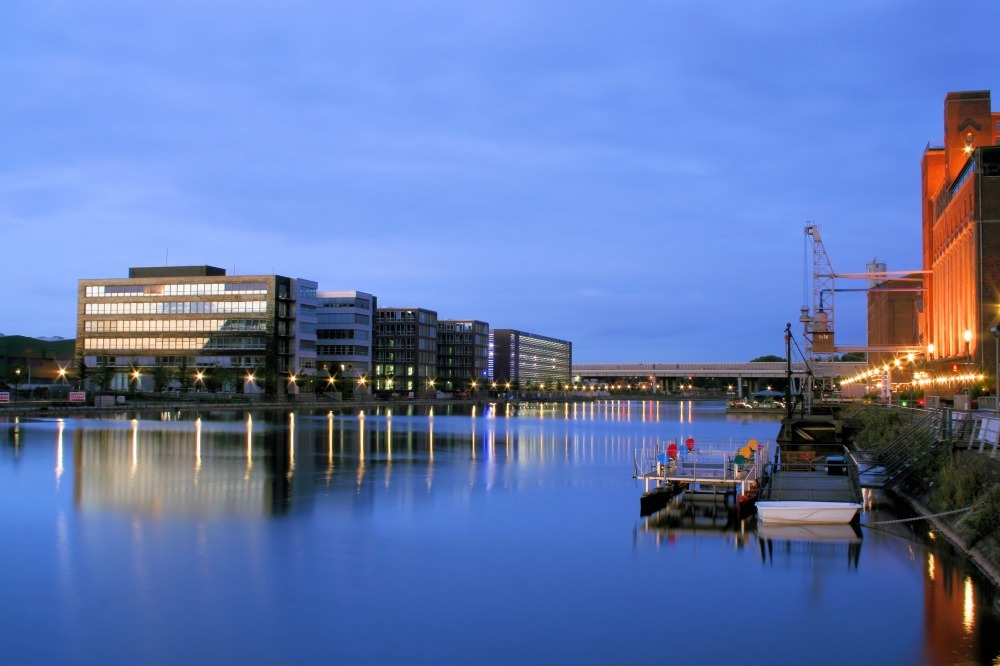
(781, 512)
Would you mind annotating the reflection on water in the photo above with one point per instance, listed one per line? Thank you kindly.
(271, 517)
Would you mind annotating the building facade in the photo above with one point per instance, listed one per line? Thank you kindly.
(30, 362)
(198, 325)
(894, 307)
(345, 334)
(405, 350)
(526, 358)
(961, 235)
(462, 354)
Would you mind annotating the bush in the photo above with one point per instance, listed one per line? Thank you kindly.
(880, 427)
(961, 481)
(986, 519)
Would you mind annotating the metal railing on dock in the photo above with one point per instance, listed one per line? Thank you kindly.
(720, 463)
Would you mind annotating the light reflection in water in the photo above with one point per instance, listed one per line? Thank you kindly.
(135, 446)
(163, 484)
(59, 451)
(968, 607)
(291, 446)
(329, 447)
(246, 477)
(197, 448)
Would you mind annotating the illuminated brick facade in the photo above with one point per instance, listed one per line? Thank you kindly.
(961, 232)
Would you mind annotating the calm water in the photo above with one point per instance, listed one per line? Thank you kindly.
(451, 538)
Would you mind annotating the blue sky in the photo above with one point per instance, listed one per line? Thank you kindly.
(632, 176)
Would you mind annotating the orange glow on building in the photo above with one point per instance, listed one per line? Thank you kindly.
(961, 237)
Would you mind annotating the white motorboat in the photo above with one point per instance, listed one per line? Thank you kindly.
(795, 511)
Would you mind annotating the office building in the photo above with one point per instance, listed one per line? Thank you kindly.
(462, 354)
(190, 325)
(529, 359)
(405, 350)
(344, 336)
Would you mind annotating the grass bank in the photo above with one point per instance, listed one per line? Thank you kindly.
(945, 480)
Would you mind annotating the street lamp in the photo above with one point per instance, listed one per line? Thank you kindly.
(995, 330)
(968, 366)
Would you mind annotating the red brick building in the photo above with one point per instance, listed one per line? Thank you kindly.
(961, 235)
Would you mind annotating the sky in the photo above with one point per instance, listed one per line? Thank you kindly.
(634, 177)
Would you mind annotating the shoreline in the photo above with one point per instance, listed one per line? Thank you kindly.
(984, 563)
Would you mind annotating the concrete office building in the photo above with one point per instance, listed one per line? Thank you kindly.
(405, 350)
(462, 354)
(259, 331)
(522, 358)
(344, 335)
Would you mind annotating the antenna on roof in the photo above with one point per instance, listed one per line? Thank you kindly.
(167, 260)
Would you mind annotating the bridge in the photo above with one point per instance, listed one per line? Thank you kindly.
(666, 375)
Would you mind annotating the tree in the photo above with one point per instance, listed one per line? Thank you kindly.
(770, 358)
(184, 374)
(81, 369)
(162, 376)
(104, 375)
(226, 379)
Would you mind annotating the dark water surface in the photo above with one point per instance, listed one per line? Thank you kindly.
(452, 538)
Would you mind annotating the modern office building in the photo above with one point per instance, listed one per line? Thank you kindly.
(462, 353)
(344, 336)
(257, 331)
(522, 358)
(961, 235)
(405, 350)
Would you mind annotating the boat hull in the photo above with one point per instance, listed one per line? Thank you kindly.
(783, 512)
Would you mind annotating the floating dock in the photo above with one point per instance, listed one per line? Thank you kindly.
(712, 471)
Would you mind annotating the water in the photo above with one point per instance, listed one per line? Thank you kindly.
(492, 538)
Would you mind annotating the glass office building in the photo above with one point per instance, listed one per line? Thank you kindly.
(462, 356)
(189, 319)
(526, 358)
(344, 333)
(405, 350)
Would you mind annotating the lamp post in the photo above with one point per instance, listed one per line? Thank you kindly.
(995, 330)
(968, 367)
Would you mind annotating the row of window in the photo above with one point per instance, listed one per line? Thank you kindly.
(359, 303)
(191, 344)
(406, 315)
(460, 350)
(395, 329)
(167, 325)
(176, 308)
(193, 364)
(394, 356)
(341, 334)
(193, 289)
(342, 318)
(341, 350)
(462, 327)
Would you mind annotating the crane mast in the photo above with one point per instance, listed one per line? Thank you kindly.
(818, 322)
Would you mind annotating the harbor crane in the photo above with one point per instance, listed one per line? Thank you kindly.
(818, 316)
